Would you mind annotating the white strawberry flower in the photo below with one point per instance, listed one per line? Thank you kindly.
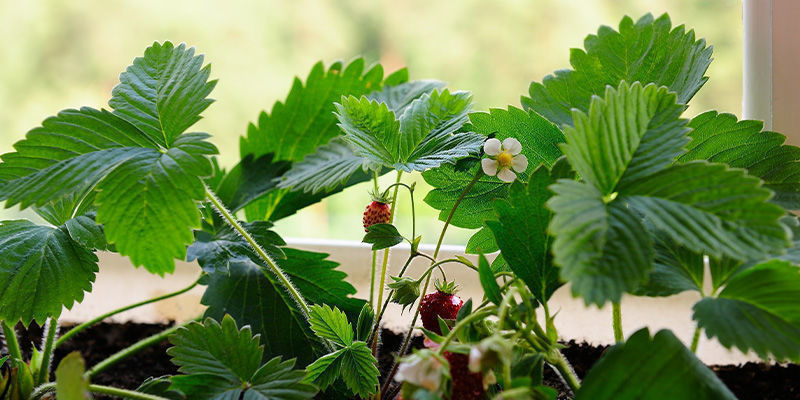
(423, 369)
(504, 159)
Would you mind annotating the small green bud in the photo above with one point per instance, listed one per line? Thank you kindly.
(406, 291)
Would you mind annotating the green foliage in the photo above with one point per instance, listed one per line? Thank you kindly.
(251, 179)
(421, 135)
(647, 51)
(328, 168)
(42, 270)
(332, 324)
(382, 236)
(85, 231)
(488, 281)
(623, 149)
(675, 270)
(145, 169)
(221, 361)
(304, 122)
(539, 139)
(354, 363)
(757, 310)
(521, 234)
(164, 92)
(742, 144)
(71, 384)
(655, 368)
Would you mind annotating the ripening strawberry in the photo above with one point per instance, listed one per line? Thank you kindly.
(441, 303)
(377, 212)
(467, 385)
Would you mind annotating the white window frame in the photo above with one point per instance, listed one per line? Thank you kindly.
(771, 71)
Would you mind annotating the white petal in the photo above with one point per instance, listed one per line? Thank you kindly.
(489, 166)
(519, 163)
(492, 147)
(512, 145)
(506, 175)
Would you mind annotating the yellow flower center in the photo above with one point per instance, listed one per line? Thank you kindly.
(504, 159)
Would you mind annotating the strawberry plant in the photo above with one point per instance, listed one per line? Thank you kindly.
(599, 183)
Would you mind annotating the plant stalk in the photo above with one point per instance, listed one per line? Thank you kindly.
(51, 330)
(133, 349)
(616, 316)
(696, 339)
(11, 341)
(74, 331)
(101, 389)
(564, 369)
(282, 278)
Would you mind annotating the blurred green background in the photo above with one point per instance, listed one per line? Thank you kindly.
(65, 54)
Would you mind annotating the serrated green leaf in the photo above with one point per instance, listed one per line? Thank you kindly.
(654, 368)
(366, 318)
(215, 252)
(398, 97)
(382, 236)
(35, 260)
(648, 51)
(488, 281)
(251, 179)
(325, 370)
(521, 233)
(160, 386)
(481, 242)
(757, 310)
(475, 207)
(147, 204)
(224, 362)
(329, 167)
(676, 269)
(71, 384)
(331, 324)
(86, 232)
(163, 92)
(359, 370)
(742, 144)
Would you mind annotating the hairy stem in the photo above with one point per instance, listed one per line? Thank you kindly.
(51, 330)
(11, 341)
(564, 369)
(696, 339)
(133, 349)
(372, 278)
(276, 270)
(123, 393)
(407, 339)
(74, 331)
(616, 317)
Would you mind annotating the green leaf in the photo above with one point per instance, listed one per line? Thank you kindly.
(215, 252)
(224, 362)
(757, 310)
(633, 130)
(603, 249)
(240, 285)
(86, 232)
(148, 203)
(482, 242)
(742, 144)
(329, 167)
(3, 360)
(425, 136)
(365, 320)
(648, 51)
(305, 120)
(623, 149)
(71, 384)
(42, 270)
(359, 370)
(654, 368)
(399, 97)
(521, 234)
(331, 324)
(325, 370)
(382, 236)
(164, 92)
(160, 387)
(488, 281)
(677, 269)
(249, 180)
(475, 207)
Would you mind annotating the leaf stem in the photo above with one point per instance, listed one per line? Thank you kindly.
(132, 349)
(564, 369)
(461, 324)
(51, 330)
(127, 394)
(616, 320)
(696, 338)
(274, 268)
(372, 278)
(72, 332)
(11, 340)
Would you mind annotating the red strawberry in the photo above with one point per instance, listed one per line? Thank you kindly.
(377, 212)
(441, 303)
(467, 385)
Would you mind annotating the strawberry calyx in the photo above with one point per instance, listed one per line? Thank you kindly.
(446, 287)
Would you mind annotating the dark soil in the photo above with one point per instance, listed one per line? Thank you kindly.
(748, 381)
